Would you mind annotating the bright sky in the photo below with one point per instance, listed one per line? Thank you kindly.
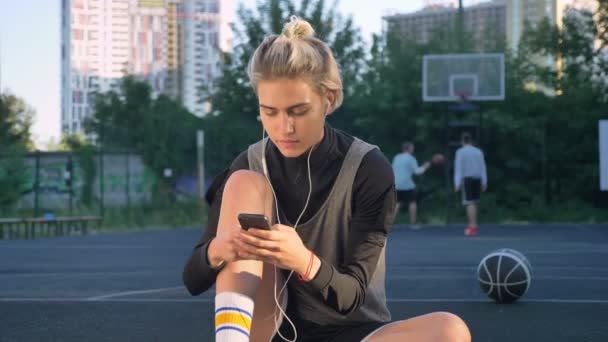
(30, 60)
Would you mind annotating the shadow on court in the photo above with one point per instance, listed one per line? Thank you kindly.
(127, 286)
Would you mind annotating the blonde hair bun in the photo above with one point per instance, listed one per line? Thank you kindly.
(297, 28)
(297, 54)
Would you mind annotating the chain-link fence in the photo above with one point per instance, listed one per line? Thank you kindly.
(70, 183)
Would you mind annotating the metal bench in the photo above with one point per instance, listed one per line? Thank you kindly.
(10, 227)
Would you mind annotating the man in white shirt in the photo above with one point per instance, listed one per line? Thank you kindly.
(471, 177)
(405, 166)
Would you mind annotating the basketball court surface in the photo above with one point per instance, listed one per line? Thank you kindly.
(127, 286)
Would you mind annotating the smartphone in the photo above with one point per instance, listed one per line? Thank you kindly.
(254, 221)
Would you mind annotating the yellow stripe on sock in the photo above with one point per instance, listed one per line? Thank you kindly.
(233, 318)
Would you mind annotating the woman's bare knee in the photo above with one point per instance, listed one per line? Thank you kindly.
(432, 327)
(451, 328)
(245, 192)
(246, 185)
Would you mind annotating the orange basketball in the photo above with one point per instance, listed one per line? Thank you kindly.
(438, 159)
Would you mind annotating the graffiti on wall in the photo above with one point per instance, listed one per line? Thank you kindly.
(125, 180)
(53, 179)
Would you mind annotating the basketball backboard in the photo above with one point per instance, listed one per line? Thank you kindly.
(454, 77)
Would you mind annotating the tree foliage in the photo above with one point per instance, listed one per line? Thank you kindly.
(554, 97)
(16, 119)
(85, 160)
(540, 142)
(162, 130)
(562, 93)
(551, 105)
(15, 139)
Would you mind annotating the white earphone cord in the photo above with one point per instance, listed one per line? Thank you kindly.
(276, 296)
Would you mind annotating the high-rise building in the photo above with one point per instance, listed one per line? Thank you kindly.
(485, 19)
(94, 53)
(505, 18)
(175, 45)
(204, 37)
(148, 37)
(533, 11)
(173, 42)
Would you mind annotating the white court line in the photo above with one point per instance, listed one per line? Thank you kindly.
(602, 250)
(395, 277)
(109, 300)
(574, 251)
(399, 268)
(477, 300)
(414, 270)
(389, 300)
(130, 293)
(418, 277)
(129, 247)
(79, 274)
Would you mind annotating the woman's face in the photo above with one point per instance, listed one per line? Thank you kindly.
(293, 114)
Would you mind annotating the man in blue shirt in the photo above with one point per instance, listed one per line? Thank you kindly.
(405, 166)
(471, 177)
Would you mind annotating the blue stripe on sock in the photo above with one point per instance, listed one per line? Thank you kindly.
(230, 308)
(232, 328)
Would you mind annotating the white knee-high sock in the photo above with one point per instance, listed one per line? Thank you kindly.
(233, 315)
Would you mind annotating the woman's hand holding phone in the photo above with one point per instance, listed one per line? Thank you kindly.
(257, 240)
(253, 221)
(281, 245)
(223, 248)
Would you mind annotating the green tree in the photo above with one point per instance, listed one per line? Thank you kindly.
(232, 125)
(16, 119)
(15, 139)
(578, 92)
(387, 104)
(388, 98)
(161, 129)
(549, 115)
(119, 115)
(13, 176)
(85, 160)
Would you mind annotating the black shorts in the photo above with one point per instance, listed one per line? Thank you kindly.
(406, 196)
(471, 190)
(311, 332)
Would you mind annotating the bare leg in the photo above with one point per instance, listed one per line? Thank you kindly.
(245, 192)
(413, 209)
(472, 215)
(437, 326)
(263, 325)
(248, 192)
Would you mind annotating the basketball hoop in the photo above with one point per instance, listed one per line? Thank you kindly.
(463, 96)
(445, 77)
(463, 102)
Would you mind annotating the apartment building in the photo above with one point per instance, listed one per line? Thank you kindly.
(175, 45)
(496, 18)
(533, 11)
(483, 20)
